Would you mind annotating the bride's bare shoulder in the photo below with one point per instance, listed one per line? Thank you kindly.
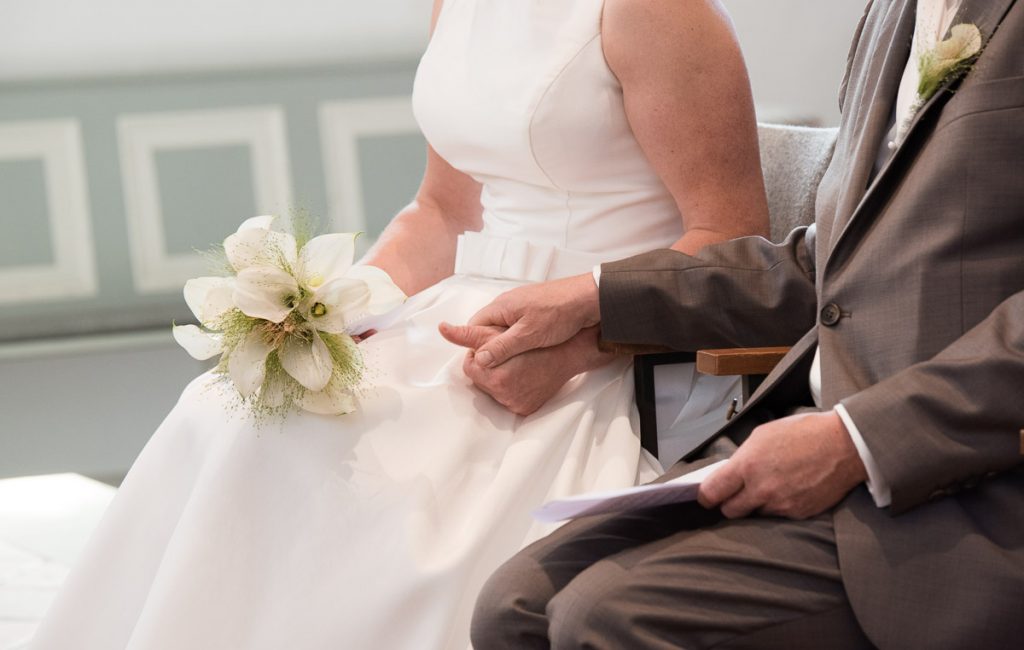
(653, 32)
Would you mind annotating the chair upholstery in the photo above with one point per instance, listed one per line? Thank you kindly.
(793, 160)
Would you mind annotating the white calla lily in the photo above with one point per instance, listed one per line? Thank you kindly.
(210, 299)
(262, 222)
(307, 359)
(384, 293)
(282, 250)
(199, 344)
(246, 248)
(333, 306)
(266, 292)
(247, 365)
(255, 244)
(326, 258)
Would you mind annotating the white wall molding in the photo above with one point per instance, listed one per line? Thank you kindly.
(342, 123)
(261, 129)
(58, 144)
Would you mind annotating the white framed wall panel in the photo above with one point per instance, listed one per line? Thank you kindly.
(341, 125)
(141, 136)
(58, 144)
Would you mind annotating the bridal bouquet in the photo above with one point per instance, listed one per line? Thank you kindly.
(282, 319)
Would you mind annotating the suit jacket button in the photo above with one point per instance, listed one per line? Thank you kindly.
(830, 314)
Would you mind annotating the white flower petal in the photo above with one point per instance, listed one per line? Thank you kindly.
(327, 402)
(247, 248)
(336, 304)
(263, 222)
(384, 293)
(309, 362)
(326, 258)
(282, 250)
(266, 292)
(199, 344)
(964, 42)
(210, 298)
(247, 364)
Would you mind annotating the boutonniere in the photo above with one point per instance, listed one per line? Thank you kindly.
(948, 60)
(943, 63)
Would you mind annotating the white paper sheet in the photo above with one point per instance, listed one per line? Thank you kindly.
(678, 490)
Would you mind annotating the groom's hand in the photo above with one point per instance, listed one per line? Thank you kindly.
(527, 381)
(535, 316)
(794, 467)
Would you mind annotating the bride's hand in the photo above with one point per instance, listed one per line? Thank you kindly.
(527, 381)
(535, 316)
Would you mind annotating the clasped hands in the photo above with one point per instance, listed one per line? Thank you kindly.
(527, 343)
(524, 346)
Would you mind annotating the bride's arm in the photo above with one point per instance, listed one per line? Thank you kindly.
(688, 100)
(417, 249)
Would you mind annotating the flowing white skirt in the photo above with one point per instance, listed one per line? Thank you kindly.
(371, 531)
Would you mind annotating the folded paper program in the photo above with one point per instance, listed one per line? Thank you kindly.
(678, 490)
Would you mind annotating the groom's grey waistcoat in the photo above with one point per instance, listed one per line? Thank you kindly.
(912, 283)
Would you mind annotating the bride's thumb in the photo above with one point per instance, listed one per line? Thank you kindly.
(467, 336)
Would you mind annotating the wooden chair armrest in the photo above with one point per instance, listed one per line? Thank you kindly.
(739, 361)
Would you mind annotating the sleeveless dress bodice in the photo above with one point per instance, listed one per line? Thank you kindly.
(542, 126)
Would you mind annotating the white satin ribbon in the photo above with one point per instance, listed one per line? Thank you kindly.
(501, 258)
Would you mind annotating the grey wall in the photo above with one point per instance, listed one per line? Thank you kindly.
(171, 165)
(796, 54)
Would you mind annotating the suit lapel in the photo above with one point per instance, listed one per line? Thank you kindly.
(871, 120)
(986, 14)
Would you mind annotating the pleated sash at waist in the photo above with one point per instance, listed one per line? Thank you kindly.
(501, 258)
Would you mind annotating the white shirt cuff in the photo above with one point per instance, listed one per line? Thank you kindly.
(880, 491)
(597, 275)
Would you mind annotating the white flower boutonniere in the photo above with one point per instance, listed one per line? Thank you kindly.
(943, 63)
(283, 319)
(948, 60)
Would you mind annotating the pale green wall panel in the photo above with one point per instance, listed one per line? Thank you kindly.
(390, 174)
(402, 159)
(25, 233)
(203, 192)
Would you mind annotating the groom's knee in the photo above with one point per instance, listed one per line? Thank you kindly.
(585, 613)
(510, 609)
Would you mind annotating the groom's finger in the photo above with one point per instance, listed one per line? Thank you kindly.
(495, 314)
(512, 342)
(721, 486)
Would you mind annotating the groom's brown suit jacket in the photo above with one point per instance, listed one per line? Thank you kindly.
(912, 283)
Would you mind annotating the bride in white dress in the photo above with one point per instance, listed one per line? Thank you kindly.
(376, 529)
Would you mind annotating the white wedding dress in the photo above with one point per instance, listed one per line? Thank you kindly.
(375, 530)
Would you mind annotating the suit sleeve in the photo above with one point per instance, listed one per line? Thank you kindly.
(747, 292)
(953, 420)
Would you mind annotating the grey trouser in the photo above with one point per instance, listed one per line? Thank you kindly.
(672, 577)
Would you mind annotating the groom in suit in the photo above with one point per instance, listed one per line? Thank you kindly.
(876, 497)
